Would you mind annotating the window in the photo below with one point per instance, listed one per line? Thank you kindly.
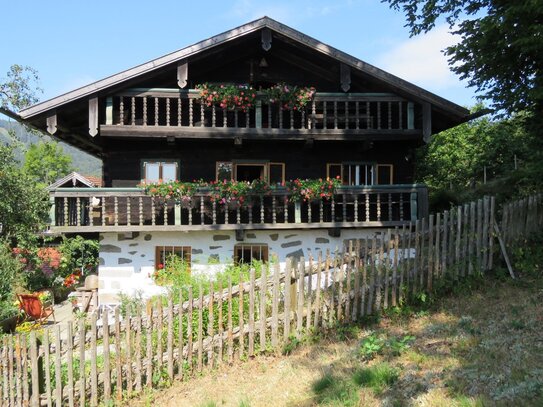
(160, 170)
(223, 171)
(353, 173)
(246, 253)
(163, 252)
(385, 174)
(276, 173)
(250, 170)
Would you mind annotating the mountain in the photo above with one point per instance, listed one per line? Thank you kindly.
(83, 163)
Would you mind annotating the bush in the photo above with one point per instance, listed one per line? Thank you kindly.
(10, 271)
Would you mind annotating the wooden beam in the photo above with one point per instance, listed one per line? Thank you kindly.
(93, 116)
(345, 77)
(426, 122)
(52, 123)
(153, 132)
(231, 226)
(182, 74)
(266, 39)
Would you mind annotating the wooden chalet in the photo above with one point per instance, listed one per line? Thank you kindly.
(149, 123)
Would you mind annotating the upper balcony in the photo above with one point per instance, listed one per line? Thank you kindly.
(78, 210)
(330, 116)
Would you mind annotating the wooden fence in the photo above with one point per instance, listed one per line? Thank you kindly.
(101, 360)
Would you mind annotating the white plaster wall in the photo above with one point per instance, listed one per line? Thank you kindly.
(127, 260)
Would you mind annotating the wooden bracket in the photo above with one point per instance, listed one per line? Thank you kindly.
(266, 39)
(238, 141)
(345, 77)
(93, 116)
(52, 123)
(182, 74)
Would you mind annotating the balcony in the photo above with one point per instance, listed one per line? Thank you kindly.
(330, 116)
(79, 210)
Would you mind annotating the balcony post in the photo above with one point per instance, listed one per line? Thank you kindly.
(177, 214)
(52, 211)
(297, 212)
(109, 111)
(258, 114)
(414, 209)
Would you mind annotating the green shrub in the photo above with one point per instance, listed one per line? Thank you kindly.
(10, 272)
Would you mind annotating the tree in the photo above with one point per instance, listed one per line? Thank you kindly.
(500, 51)
(45, 162)
(24, 205)
(454, 162)
(20, 88)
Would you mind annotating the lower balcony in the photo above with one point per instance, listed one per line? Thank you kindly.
(80, 210)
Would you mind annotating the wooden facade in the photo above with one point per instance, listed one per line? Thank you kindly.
(360, 118)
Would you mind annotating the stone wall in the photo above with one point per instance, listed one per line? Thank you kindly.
(128, 259)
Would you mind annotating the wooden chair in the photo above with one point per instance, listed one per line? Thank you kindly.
(34, 309)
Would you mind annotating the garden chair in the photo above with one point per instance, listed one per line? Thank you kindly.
(34, 309)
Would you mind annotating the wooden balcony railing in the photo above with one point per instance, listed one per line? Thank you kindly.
(162, 109)
(129, 209)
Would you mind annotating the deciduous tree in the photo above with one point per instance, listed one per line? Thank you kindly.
(500, 51)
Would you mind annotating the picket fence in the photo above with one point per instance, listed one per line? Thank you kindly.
(102, 360)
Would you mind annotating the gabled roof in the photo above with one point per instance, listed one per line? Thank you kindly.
(264, 22)
(73, 178)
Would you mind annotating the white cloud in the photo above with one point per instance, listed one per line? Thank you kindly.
(420, 60)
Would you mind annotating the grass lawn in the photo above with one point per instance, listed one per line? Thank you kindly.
(479, 346)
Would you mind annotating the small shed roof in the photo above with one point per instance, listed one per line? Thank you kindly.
(74, 179)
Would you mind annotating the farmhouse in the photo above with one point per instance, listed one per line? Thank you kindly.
(260, 102)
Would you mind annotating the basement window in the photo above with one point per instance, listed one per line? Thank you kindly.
(162, 253)
(246, 253)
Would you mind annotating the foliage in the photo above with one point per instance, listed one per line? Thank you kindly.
(46, 162)
(500, 48)
(374, 345)
(24, 205)
(18, 90)
(181, 192)
(176, 271)
(289, 96)
(336, 391)
(227, 96)
(57, 267)
(10, 270)
(79, 253)
(224, 192)
(453, 163)
(312, 189)
(377, 377)
(238, 192)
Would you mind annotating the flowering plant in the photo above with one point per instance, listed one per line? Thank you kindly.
(228, 96)
(290, 97)
(312, 189)
(237, 192)
(72, 279)
(182, 192)
(175, 271)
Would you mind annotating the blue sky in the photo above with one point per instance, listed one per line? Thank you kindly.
(72, 43)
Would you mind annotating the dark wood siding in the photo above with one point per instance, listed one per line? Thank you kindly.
(122, 165)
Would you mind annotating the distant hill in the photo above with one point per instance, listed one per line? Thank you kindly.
(83, 163)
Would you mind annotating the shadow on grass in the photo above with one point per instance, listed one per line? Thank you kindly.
(477, 347)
